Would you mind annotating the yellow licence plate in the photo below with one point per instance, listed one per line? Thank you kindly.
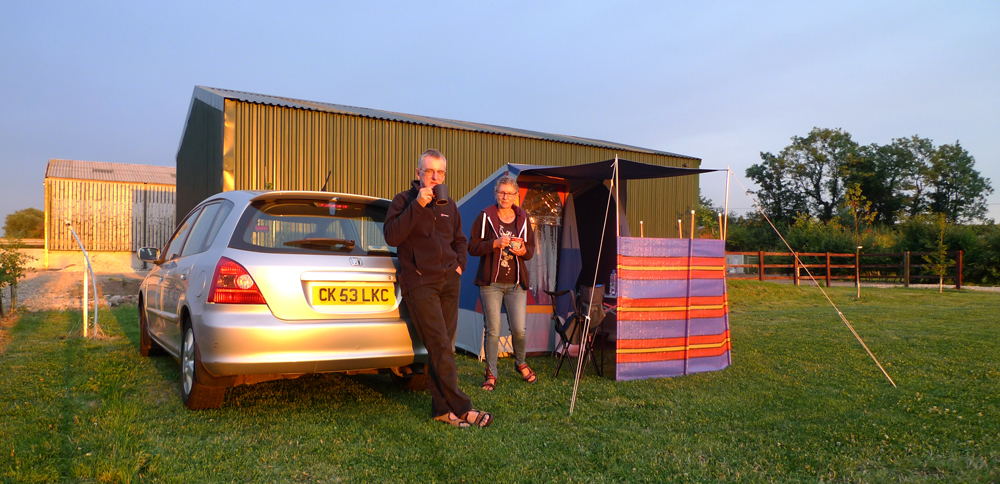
(354, 294)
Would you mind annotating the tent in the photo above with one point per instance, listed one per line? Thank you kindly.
(669, 294)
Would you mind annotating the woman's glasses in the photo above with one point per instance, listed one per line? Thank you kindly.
(503, 194)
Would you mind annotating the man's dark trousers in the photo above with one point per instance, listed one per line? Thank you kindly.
(434, 309)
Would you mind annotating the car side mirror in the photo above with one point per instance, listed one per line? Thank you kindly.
(148, 254)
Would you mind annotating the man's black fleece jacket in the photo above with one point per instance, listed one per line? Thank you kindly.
(429, 240)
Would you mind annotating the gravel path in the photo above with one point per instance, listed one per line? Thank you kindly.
(62, 290)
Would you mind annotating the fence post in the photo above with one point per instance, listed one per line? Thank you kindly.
(760, 265)
(795, 270)
(827, 269)
(857, 270)
(906, 269)
(958, 284)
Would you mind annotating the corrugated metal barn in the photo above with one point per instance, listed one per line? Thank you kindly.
(114, 207)
(237, 141)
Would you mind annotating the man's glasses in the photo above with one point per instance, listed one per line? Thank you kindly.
(429, 173)
(502, 194)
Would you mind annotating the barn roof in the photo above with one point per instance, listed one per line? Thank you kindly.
(214, 96)
(112, 172)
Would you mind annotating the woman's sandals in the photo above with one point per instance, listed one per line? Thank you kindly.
(491, 381)
(527, 373)
(482, 419)
(450, 419)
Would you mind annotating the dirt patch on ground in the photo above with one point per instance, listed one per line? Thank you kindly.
(63, 290)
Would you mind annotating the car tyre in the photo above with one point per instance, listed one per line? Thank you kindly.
(195, 395)
(147, 347)
(414, 381)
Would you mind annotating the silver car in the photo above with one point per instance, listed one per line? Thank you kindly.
(255, 286)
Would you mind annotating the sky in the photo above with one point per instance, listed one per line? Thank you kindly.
(721, 81)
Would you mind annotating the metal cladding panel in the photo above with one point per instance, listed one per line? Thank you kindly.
(200, 154)
(283, 148)
(108, 216)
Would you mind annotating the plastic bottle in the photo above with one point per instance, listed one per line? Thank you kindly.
(613, 283)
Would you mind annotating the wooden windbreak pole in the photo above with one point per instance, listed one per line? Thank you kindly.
(692, 224)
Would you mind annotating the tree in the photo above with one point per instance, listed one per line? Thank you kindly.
(707, 217)
(807, 176)
(908, 177)
(938, 261)
(861, 211)
(956, 189)
(822, 159)
(920, 151)
(777, 196)
(892, 176)
(13, 264)
(25, 224)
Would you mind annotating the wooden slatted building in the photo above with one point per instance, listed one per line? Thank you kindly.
(242, 141)
(114, 207)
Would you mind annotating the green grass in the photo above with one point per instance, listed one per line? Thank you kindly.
(802, 402)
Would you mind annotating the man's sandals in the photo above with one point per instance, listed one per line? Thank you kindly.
(491, 381)
(450, 419)
(527, 373)
(478, 417)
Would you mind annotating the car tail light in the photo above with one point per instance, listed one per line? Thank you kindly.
(232, 284)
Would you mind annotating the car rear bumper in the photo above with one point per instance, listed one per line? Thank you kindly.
(248, 339)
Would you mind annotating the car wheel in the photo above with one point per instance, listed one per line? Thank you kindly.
(413, 378)
(147, 347)
(195, 395)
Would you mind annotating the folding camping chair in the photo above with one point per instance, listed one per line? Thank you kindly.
(569, 329)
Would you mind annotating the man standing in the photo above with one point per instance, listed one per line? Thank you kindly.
(432, 253)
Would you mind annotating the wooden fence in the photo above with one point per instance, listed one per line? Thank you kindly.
(896, 268)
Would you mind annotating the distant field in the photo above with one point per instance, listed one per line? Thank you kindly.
(801, 403)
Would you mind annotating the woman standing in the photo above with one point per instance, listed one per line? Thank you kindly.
(503, 239)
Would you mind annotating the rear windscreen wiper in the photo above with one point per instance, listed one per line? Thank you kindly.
(323, 244)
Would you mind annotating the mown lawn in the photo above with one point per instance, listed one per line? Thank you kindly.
(802, 402)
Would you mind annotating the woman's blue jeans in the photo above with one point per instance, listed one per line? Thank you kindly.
(515, 298)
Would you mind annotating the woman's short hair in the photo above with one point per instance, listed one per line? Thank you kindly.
(505, 180)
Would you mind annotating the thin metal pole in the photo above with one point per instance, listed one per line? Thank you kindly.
(145, 216)
(618, 223)
(725, 225)
(90, 267)
(581, 361)
(86, 305)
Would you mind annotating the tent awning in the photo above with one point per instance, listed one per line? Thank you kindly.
(604, 170)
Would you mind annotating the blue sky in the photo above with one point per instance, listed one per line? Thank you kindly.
(722, 81)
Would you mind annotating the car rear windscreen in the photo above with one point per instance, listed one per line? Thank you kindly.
(293, 226)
